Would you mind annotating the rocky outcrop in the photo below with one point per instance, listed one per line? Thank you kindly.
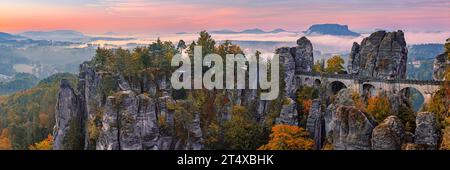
(288, 114)
(315, 124)
(92, 89)
(303, 54)
(427, 133)
(346, 127)
(388, 135)
(295, 59)
(350, 129)
(288, 63)
(112, 113)
(441, 63)
(139, 122)
(195, 142)
(343, 98)
(382, 55)
(69, 131)
(123, 122)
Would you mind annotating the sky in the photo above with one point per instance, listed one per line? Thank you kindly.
(163, 16)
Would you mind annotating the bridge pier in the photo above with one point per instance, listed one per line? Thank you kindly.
(427, 98)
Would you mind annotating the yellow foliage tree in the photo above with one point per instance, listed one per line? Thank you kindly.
(445, 145)
(379, 107)
(287, 137)
(5, 143)
(46, 144)
(335, 64)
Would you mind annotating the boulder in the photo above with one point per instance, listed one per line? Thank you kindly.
(350, 129)
(388, 135)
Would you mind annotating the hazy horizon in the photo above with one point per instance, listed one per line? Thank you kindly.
(171, 16)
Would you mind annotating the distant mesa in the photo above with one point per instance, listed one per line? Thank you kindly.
(248, 31)
(330, 29)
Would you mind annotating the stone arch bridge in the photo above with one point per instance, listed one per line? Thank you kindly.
(427, 88)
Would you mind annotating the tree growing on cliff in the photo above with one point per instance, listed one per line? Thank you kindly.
(287, 137)
(305, 95)
(241, 132)
(208, 44)
(335, 64)
(228, 48)
(103, 58)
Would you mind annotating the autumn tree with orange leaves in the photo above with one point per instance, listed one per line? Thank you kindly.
(46, 144)
(5, 143)
(287, 137)
(379, 107)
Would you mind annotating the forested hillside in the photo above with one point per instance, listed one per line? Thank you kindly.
(28, 117)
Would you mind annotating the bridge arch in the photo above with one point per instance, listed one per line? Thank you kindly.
(317, 82)
(336, 86)
(368, 90)
(413, 95)
(308, 81)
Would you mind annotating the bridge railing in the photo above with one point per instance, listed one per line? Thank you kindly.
(370, 79)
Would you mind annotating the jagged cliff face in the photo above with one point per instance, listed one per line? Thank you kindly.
(302, 55)
(110, 112)
(292, 60)
(382, 55)
(345, 127)
(441, 63)
(107, 112)
(118, 113)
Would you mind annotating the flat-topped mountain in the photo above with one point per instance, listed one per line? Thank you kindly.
(330, 29)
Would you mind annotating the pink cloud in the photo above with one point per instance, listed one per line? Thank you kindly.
(168, 16)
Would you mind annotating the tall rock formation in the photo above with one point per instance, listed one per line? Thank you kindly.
(427, 134)
(107, 112)
(441, 63)
(295, 59)
(69, 131)
(348, 128)
(381, 55)
(315, 124)
(287, 61)
(303, 54)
